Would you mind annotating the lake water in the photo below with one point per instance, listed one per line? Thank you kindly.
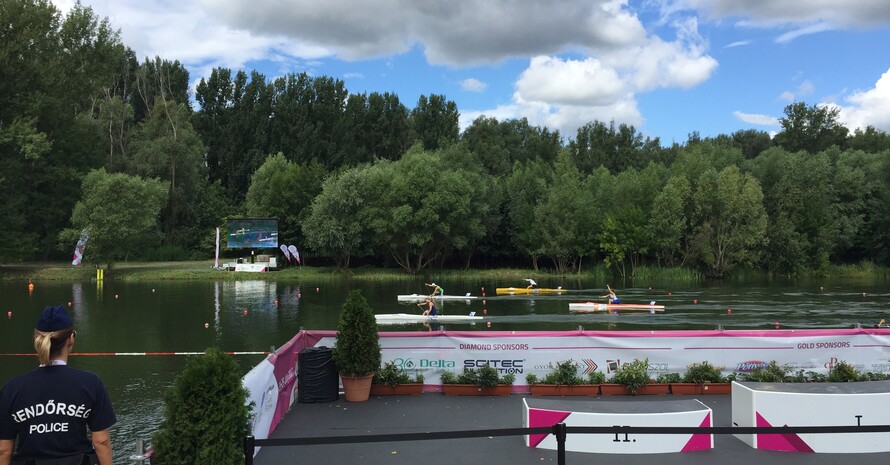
(253, 316)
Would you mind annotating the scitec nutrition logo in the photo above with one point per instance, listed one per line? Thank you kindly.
(515, 367)
(423, 363)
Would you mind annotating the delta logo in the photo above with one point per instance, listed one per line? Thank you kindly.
(749, 366)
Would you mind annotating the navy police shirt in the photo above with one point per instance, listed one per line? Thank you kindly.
(50, 408)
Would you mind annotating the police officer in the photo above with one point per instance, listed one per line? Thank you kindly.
(50, 408)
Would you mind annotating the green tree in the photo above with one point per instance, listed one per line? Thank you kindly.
(434, 121)
(428, 207)
(730, 220)
(669, 221)
(337, 225)
(284, 190)
(563, 216)
(205, 414)
(167, 147)
(121, 213)
(810, 129)
(525, 190)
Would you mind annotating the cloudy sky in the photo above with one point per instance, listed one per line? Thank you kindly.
(668, 67)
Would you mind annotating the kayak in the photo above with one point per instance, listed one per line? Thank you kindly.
(599, 307)
(396, 318)
(525, 291)
(420, 297)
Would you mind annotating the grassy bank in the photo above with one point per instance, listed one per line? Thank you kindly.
(203, 270)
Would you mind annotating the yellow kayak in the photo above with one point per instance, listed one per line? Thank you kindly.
(524, 291)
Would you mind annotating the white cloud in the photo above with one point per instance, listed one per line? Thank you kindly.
(843, 13)
(868, 108)
(803, 31)
(738, 43)
(450, 32)
(473, 85)
(756, 119)
(805, 89)
(353, 75)
(553, 81)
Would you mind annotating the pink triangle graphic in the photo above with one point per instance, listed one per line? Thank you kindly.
(538, 418)
(782, 442)
(700, 441)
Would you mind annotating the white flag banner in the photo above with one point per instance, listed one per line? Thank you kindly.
(285, 252)
(79, 248)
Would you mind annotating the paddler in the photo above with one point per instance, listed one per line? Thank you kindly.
(436, 288)
(531, 283)
(613, 299)
(431, 309)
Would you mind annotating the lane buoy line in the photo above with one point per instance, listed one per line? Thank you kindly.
(113, 354)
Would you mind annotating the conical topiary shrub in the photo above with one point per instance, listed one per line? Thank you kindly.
(357, 352)
(205, 414)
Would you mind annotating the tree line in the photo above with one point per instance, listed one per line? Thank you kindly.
(93, 139)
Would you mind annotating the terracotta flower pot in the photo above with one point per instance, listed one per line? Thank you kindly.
(657, 389)
(474, 390)
(564, 390)
(685, 389)
(610, 389)
(716, 388)
(357, 388)
(411, 389)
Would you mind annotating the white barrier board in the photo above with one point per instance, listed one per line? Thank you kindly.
(813, 404)
(679, 413)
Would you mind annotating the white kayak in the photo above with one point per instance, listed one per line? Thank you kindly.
(421, 297)
(395, 318)
(600, 307)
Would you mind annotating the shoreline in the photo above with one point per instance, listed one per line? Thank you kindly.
(203, 270)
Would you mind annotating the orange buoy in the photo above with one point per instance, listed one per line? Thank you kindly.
(777, 325)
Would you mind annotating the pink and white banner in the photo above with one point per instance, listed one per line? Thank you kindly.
(520, 353)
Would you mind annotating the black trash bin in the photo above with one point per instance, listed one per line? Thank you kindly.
(317, 377)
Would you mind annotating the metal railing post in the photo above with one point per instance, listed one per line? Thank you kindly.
(559, 430)
(249, 446)
(139, 457)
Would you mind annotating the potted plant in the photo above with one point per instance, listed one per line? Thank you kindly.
(633, 375)
(390, 380)
(667, 380)
(357, 351)
(706, 378)
(483, 381)
(843, 372)
(771, 373)
(563, 380)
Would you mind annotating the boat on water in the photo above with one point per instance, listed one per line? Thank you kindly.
(526, 291)
(421, 297)
(402, 318)
(592, 307)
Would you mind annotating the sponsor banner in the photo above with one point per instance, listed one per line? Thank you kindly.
(272, 383)
(521, 353)
(263, 392)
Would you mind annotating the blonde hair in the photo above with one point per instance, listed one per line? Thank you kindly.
(50, 344)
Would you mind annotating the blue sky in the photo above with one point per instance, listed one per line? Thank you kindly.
(668, 67)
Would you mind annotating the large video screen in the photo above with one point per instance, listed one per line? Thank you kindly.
(252, 233)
